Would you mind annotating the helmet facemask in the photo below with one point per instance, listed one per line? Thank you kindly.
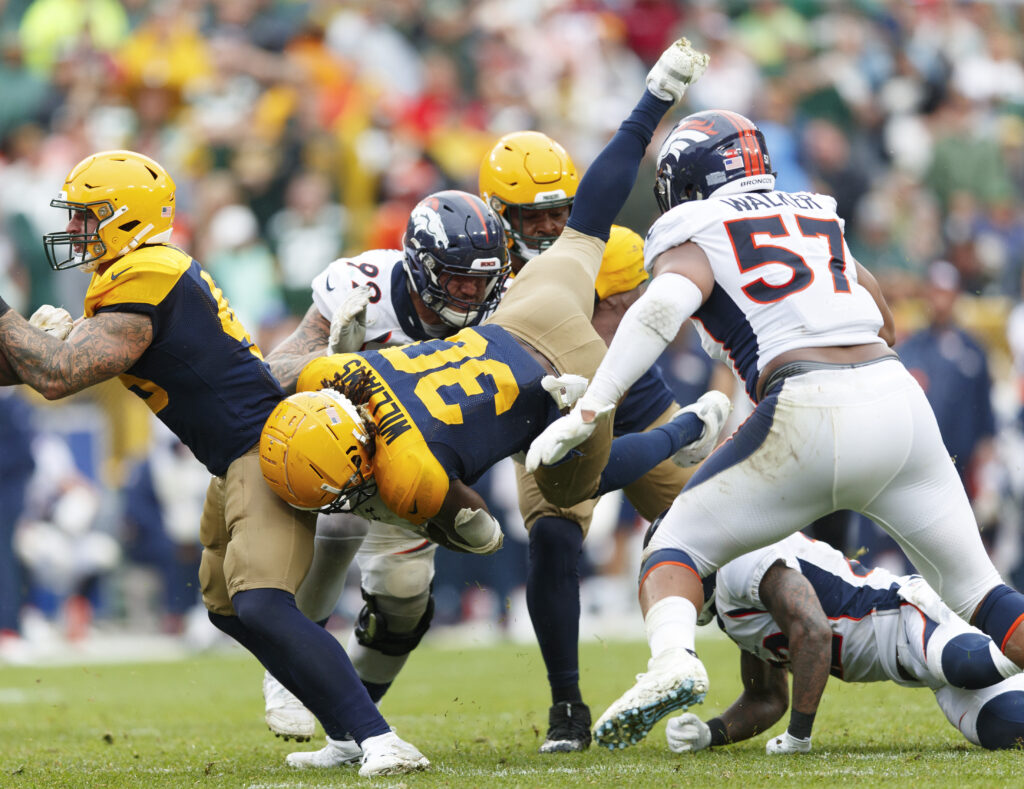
(525, 246)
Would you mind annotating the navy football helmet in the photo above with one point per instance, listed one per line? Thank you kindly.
(454, 234)
(705, 152)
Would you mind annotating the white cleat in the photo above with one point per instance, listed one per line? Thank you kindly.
(337, 753)
(673, 681)
(388, 754)
(678, 67)
(284, 713)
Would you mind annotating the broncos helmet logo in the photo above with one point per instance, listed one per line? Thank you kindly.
(425, 219)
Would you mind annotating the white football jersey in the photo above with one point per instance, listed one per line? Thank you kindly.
(863, 607)
(784, 276)
(390, 318)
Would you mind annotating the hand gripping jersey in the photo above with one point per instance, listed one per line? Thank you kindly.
(202, 375)
(444, 409)
(390, 316)
(863, 607)
(784, 276)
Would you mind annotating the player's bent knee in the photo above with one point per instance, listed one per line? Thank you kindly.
(968, 662)
(393, 626)
(1001, 721)
(1000, 614)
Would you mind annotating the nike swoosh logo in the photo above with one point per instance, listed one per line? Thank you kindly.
(327, 284)
(118, 274)
(415, 508)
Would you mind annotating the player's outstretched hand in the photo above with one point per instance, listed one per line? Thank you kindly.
(687, 733)
(55, 321)
(565, 390)
(712, 408)
(564, 434)
(348, 325)
(678, 67)
(786, 743)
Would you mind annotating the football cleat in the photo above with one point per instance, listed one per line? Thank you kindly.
(285, 714)
(673, 681)
(568, 728)
(678, 67)
(388, 754)
(337, 753)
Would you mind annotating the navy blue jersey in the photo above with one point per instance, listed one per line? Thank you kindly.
(451, 407)
(202, 375)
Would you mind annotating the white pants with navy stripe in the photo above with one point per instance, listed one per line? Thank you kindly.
(862, 439)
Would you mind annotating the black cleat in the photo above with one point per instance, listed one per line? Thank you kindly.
(568, 728)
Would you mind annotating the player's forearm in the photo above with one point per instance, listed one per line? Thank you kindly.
(751, 714)
(810, 658)
(647, 328)
(302, 346)
(286, 367)
(97, 349)
(609, 179)
(35, 358)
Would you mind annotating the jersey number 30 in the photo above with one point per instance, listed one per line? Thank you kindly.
(455, 375)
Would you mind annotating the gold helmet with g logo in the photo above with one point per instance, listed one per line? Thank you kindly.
(315, 452)
(125, 199)
(529, 171)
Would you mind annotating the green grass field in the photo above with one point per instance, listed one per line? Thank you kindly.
(477, 713)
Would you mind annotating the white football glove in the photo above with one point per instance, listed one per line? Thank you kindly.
(786, 743)
(55, 321)
(712, 408)
(348, 326)
(678, 67)
(687, 733)
(474, 531)
(563, 434)
(565, 390)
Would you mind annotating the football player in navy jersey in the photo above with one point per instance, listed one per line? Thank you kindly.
(416, 424)
(155, 318)
(800, 606)
(839, 423)
(449, 274)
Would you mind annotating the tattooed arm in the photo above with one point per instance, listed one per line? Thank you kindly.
(306, 343)
(99, 348)
(791, 600)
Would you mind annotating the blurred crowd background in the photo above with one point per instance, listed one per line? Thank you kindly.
(301, 131)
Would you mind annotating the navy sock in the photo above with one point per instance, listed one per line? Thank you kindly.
(553, 599)
(634, 454)
(306, 659)
(609, 179)
(376, 689)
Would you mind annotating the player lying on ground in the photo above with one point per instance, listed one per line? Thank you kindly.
(771, 286)
(800, 606)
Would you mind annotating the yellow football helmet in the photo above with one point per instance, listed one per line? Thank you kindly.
(622, 267)
(315, 452)
(125, 199)
(527, 170)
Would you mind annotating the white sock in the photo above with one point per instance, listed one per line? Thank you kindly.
(671, 624)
